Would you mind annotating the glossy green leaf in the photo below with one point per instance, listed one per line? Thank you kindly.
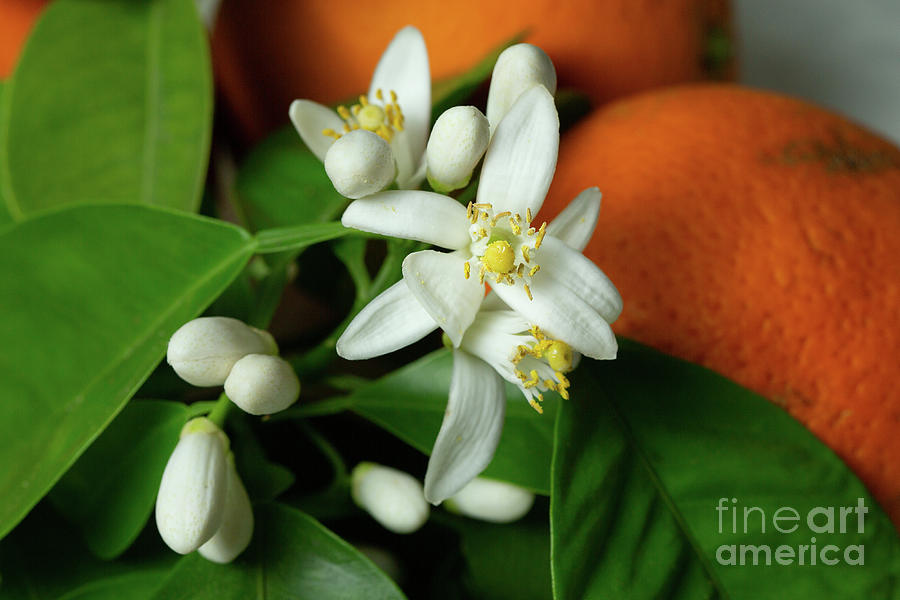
(283, 184)
(410, 403)
(510, 561)
(111, 101)
(93, 295)
(298, 237)
(44, 560)
(292, 557)
(109, 493)
(5, 216)
(647, 449)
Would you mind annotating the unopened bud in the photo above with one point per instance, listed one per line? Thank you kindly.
(204, 350)
(360, 163)
(233, 535)
(191, 499)
(491, 500)
(261, 384)
(393, 498)
(518, 69)
(457, 142)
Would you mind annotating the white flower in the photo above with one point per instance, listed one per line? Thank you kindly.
(204, 350)
(397, 108)
(491, 500)
(551, 285)
(192, 494)
(261, 384)
(393, 498)
(518, 69)
(457, 142)
(233, 535)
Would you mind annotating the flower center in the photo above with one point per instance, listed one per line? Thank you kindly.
(503, 245)
(386, 119)
(542, 365)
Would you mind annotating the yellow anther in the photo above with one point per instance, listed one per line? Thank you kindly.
(540, 235)
(520, 270)
(531, 231)
(466, 269)
(499, 257)
(534, 270)
(355, 109)
(393, 97)
(536, 406)
(331, 133)
(347, 128)
(342, 110)
(559, 356)
(371, 117)
(379, 95)
(525, 254)
(514, 226)
(469, 211)
(482, 205)
(528, 214)
(385, 133)
(499, 216)
(482, 233)
(363, 101)
(528, 291)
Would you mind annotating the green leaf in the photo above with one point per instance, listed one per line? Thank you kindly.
(410, 403)
(292, 557)
(283, 184)
(97, 292)
(298, 237)
(5, 216)
(510, 561)
(111, 101)
(453, 91)
(264, 480)
(649, 446)
(110, 491)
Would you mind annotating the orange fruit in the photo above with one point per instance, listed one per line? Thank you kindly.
(759, 236)
(267, 57)
(16, 19)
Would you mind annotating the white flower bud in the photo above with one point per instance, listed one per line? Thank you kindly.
(457, 142)
(491, 500)
(203, 351)
(393, 498)
(261, 384)
(518, 68)
(233, 536)
(191, 499)
(360, 163)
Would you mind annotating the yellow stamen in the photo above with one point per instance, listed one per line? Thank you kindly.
(514, 226)
(331, 133)
(393, 97)
(499, 216)
(466, 269)
(525, 254)
(528, 291)
(534, 270)
(363, 101)
(343, 112)
(379, 95)
(540, 235)
(528, 214)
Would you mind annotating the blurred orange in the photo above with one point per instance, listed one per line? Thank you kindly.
(268, 54)
(759, 236)
(16, 20)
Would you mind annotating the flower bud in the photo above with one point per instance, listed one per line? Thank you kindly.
(191, 499)
(233, 536)
(360, 163)
(261, 384)
(203, 351)
(393, 498)
(491, 500)
(457, 142)
(518, 68)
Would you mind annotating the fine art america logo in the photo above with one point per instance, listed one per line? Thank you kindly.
(735, 519)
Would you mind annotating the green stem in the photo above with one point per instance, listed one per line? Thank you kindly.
(220, 411)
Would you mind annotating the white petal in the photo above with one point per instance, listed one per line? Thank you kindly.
(493, 302)
(393, 498)
(521, 159)
(309, 119)
(191, 499)
(261, 384)
(576, 272)
(563, 316)
(233, 536)
(413, 215)
(492, 500)
(471, 429)
(403, 68)
(436, 280)
(391, 321)
(575, 225)
(518, 69)
(360, 163)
